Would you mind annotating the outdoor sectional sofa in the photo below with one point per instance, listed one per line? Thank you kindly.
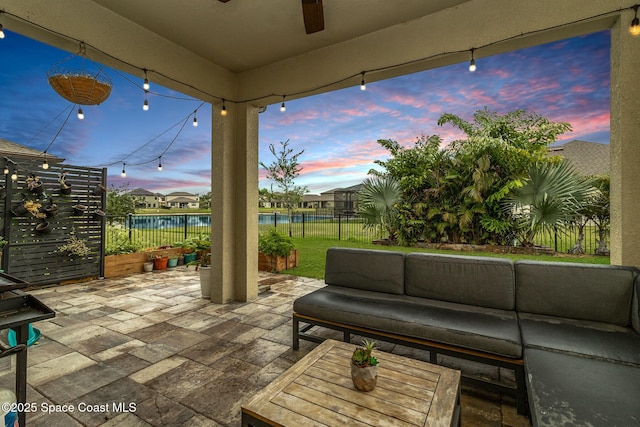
(568, 331)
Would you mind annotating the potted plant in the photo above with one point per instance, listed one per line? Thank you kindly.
(172, 262)
(3, 243)
(160, 261)
(276, 251)
(202, 247)
(364, 367)
(50, 209)
(65, 187)
(148, 266)
(34, 184)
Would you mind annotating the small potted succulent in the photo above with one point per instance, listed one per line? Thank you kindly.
(34, 184)
(65, 187)
(364, 367)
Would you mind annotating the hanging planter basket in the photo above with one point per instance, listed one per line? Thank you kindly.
(78, 85)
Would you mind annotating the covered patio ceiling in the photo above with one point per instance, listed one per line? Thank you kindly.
(258, 51)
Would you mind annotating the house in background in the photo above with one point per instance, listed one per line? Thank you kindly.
(588, 158)
(181, 200)
(145, 199)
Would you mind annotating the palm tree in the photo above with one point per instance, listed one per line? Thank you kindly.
(377, 201)
(550, 196)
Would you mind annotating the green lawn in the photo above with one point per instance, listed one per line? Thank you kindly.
(312, 252)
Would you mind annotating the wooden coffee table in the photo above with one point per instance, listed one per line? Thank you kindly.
(318, 391)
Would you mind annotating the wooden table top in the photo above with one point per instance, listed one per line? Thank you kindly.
(318, 391)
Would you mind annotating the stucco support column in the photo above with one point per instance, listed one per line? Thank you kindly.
(234, 204)
(625, 143)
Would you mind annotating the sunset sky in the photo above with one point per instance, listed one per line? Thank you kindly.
(564, 81)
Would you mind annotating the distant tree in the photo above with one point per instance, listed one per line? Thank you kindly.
(598, 212)
(283, 172)
(119, 202)
(204, 201)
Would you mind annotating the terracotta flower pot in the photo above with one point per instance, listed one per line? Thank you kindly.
(160, 263)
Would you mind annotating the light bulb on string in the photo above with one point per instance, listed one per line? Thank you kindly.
(195, 121)
(14, 176)
(45, 164)
(80, 114)
(472, 64)
(160, 163)
(634, 29)
(283, 108)
(223, 112)
(363, 85)
(123, 174)
(1, 31)
(145, 106)
(6, 170)
(145, 84)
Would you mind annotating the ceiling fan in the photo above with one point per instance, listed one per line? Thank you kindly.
(312, 13)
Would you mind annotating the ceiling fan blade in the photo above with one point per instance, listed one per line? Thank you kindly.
(313, 15)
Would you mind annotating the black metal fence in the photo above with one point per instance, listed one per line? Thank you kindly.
(165, 230)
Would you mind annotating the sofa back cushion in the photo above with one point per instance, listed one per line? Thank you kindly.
(601, 293)
(479, 281)
(373, 270)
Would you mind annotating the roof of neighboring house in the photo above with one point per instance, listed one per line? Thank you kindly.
(182, 200)
(588, 158)
(324, 197)
(181, 193)
(11, 149)
(142, 192)
(352, 189)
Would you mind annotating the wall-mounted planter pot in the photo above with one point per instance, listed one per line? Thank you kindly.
(19, 210)
(43, 227)
(50, 210)
(99, 190)
(37, 188)
(66, 190)
(98, 214)
(79, 209)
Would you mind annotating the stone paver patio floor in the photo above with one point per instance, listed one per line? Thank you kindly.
(147, 350)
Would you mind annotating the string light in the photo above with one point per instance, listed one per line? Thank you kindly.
(223, 112)
(160, 163)
(363, 86)
(45, 164)
(195, 120)
(1, 31)
(123, 174)
(282, 107)
(145, 106)
(6, 170)
(472, 64)
(14, 176)
(80, 114)
(635, 23)
(145, 85)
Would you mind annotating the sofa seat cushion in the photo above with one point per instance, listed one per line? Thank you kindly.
(596, 340)
(487, 330)
(570, 390)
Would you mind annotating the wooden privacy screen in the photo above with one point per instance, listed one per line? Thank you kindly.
(34, 256)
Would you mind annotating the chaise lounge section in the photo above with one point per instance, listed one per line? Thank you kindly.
(554, 320)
